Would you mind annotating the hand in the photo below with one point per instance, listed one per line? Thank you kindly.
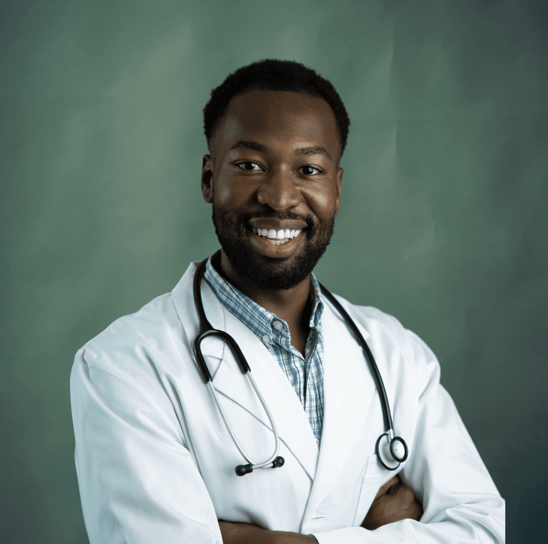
(246, 533)
(394, 501)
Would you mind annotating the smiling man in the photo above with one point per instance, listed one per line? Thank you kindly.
(274, 181)
(176, 441)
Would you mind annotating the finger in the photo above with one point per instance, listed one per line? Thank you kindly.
(401, 488)
(387, 486)
(416, 512)
(393, 481)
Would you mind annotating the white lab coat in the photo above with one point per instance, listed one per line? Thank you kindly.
(155, 462)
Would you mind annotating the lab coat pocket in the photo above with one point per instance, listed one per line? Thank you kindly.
(370, 484)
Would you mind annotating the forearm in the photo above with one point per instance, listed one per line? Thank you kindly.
(394, 502)
(245, 533)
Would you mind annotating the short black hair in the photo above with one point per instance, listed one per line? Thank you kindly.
(274, 75)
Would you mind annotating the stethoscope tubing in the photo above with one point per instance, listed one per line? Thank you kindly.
(367, 352)
(233, 435)
(206, 330)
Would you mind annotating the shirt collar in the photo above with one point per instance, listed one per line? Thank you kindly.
(255, 317)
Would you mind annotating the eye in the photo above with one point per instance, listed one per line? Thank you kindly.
(249, 166)
(310, 170)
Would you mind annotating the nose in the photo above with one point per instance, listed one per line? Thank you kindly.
(279, 191)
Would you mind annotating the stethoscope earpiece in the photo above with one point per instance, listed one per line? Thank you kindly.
(242, 470)
(278, 462)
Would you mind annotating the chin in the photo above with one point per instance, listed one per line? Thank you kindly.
(271, 274)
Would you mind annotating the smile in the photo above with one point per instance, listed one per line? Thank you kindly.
(277, 237)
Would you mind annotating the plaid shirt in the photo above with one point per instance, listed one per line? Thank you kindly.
(304, 373)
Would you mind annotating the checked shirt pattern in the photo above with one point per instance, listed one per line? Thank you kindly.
(304, 373)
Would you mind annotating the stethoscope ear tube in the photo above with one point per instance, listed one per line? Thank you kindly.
(206, 375)
(368, 354)
(207, 330)
(238, 355)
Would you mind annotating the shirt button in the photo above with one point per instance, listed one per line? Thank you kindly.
(266, 339)
(278, 325)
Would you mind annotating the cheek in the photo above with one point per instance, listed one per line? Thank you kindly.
(223, 194)
(227, 193)
(323, 203)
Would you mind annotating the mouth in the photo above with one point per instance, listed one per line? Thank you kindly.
(276, 237)
(276, 243)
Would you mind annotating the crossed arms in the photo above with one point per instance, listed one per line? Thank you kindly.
(394, 501)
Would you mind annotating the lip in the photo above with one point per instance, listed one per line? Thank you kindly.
(277, 224)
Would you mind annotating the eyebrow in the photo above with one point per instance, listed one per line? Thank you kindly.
(248, 144)
(255, 146)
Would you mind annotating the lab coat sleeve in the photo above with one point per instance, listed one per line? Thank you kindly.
(461, 503)
(138, 483)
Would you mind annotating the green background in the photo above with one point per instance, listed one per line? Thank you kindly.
(442, 222)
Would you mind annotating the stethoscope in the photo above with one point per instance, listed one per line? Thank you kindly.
(391, 450)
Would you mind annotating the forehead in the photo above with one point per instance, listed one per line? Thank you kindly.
(284, 118)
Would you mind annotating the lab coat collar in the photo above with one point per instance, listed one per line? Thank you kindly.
(186, 310)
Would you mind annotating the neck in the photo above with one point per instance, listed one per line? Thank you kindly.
(293, 305)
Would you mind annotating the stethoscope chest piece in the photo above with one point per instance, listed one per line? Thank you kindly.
(391, 451)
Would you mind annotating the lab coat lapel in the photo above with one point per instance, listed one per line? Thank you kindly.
(349, 394)
(213, 348)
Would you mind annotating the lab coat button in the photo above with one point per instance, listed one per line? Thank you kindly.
(266, 339)
(278, 325)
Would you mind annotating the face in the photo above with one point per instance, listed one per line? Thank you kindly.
(274, 180)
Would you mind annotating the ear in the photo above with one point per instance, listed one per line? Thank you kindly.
(340, 172)
(207, 178)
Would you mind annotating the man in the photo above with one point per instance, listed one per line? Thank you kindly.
(154, 454)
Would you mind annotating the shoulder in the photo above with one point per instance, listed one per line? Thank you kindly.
(121, 377)
(140, 345)
(387, 334)
(374, 320)
(155, 327)
(144, 326)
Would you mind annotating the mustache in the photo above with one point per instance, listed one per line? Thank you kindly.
(245, 217)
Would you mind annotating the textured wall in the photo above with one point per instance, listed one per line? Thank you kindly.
(442, 223)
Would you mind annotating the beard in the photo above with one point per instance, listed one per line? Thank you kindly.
(267, 273)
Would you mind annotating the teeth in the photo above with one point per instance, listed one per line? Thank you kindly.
(277, 237)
